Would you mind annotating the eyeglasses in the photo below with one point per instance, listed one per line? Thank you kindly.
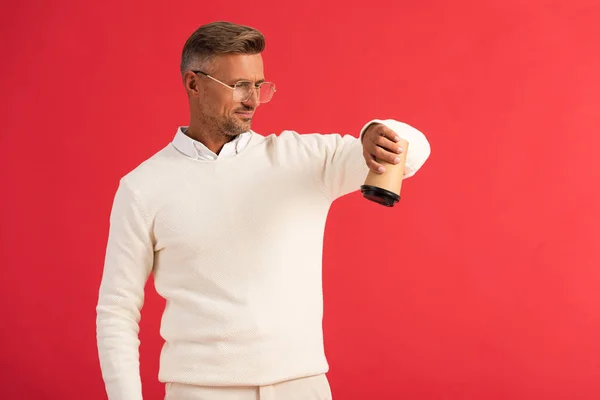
(242, 90)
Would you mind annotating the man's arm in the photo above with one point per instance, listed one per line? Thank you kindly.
(343, 161)
(128, 263)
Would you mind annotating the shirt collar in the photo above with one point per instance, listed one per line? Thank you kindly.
(197, 150)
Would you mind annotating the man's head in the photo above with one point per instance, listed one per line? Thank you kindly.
(216, 57)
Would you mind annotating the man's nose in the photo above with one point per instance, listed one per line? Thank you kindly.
(253, 100)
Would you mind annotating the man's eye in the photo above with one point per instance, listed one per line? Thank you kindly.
(245, 85)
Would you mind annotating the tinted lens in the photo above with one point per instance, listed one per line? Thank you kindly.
(266, 91)
(243, 91)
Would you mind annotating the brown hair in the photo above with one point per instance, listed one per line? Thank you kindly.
(219, 38)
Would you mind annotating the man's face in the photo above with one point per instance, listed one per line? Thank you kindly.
(216, 107)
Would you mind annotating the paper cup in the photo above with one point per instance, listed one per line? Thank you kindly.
(385, 188)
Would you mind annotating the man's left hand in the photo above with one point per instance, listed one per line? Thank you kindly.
(380, 143)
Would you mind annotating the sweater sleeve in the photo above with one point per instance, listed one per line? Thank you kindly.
(338, 160)
(128, 263)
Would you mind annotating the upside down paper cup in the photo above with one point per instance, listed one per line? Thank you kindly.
(385, 188)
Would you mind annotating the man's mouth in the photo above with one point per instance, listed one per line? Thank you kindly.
(245, 114)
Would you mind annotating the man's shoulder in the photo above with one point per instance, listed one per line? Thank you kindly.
(150, 169)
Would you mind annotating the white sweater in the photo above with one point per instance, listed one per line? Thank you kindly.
(235, 246)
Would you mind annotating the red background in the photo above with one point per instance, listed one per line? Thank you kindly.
(484, 283)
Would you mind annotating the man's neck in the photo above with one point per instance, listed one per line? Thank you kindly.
(214, 141)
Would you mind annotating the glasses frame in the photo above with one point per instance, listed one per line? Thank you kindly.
(234, 86)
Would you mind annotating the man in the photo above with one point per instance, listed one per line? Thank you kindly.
(231, 224)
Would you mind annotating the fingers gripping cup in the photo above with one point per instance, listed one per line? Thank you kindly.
(384, 188)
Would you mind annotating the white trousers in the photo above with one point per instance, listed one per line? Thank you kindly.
(310, 388)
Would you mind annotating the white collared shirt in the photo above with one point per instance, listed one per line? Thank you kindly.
(197, 150)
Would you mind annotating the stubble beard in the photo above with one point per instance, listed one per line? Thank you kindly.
(229, 127)
(232, 126)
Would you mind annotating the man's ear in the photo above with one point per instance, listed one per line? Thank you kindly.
(191, 82)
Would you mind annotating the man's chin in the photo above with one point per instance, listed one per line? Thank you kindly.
(246, 124)
(238, 129)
